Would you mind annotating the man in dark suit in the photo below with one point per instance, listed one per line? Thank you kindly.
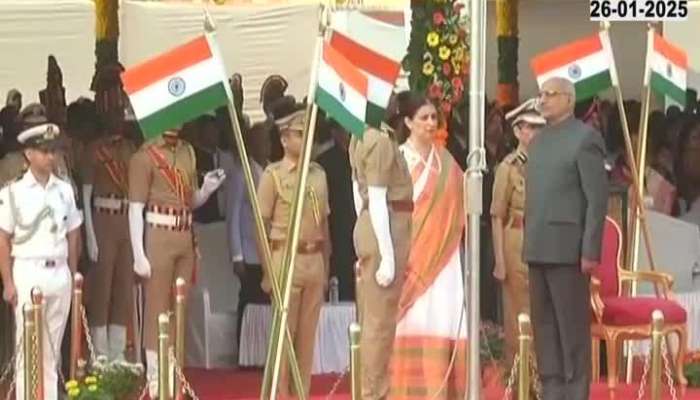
(565, 207)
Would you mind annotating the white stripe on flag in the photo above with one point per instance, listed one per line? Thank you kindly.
(647, 61)
(378, 90)
(588, 66)
(662, 65)
(354, 102)
(607, 48)
(158, 95)
(381, 37)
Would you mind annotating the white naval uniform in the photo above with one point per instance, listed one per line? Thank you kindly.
(41, 261)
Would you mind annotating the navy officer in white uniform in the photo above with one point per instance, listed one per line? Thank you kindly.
(39, 239)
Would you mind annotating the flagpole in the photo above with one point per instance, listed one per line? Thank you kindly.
(641, 176)
(629, 152)
(476, 164)
(288, 266)
(210, 28)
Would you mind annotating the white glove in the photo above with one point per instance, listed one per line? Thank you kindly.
(379, 216)
(357, 197)
(92, 249)
(142, 266)
(212, 181)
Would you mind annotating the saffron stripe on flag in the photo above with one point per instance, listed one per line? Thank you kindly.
(345, 69)
(671, 52)
(339, 112)
(179, 58)
(185, 110)
(663, 85)
(158, 95)
(566, 54)
(366, 59)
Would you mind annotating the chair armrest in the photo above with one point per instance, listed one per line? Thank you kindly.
(655, 277)
(596, 301)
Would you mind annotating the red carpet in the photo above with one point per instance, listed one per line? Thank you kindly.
(245, 385)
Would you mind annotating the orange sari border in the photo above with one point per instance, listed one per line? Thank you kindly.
(438, 221)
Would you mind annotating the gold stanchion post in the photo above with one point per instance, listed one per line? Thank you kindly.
(524, 341)
(38, 316)
(355, 364)
(163, 357)
(657, 326)
(76, 331)
(30, 378)
(180, 301)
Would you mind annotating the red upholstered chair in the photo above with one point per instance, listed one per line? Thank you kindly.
(618, 317)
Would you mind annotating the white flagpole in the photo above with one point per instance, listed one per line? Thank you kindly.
(476, 164)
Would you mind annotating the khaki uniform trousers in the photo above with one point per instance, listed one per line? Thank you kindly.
(304, 310)
(516, 296)
(378, 306)
(172, 255)
(110, 284)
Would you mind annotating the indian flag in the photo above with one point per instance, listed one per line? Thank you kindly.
(177, 86)
(587, 62)
(667, 68)
(342, 91)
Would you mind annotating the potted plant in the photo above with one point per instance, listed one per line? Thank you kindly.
(107, 380)
(492, 345)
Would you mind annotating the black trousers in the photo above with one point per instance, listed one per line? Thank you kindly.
(251, 292)
(561, 322)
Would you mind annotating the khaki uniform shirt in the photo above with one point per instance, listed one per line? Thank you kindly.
(276, 192)
(509, 187)
(147, 183)
(376, 161)
(106, 166)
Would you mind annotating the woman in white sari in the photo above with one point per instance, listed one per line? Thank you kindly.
(429, 360)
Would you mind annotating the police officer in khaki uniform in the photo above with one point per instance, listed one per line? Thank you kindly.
(276, 192)
(39, 247)
(507, 208)
(110, 283)
(162, 180)
(383, 200)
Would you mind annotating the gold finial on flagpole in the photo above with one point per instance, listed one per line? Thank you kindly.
(209, 25)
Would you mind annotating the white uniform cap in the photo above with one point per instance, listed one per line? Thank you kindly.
(526, 112)
(40, 135)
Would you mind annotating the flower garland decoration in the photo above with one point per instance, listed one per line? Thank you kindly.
(438, 54)
(507, 32)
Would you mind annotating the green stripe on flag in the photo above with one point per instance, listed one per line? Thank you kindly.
(591, 86)
(375, 114)
(339, 113)
(183, 111)
(664, 86)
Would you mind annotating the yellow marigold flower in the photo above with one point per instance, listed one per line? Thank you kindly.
(444, 53)
(428, 68)
(452, 39)
(458, 54)
(71, 384)
(92, 388)
(90, 380)
(456, 66)
(73, 393)
(433, 39)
